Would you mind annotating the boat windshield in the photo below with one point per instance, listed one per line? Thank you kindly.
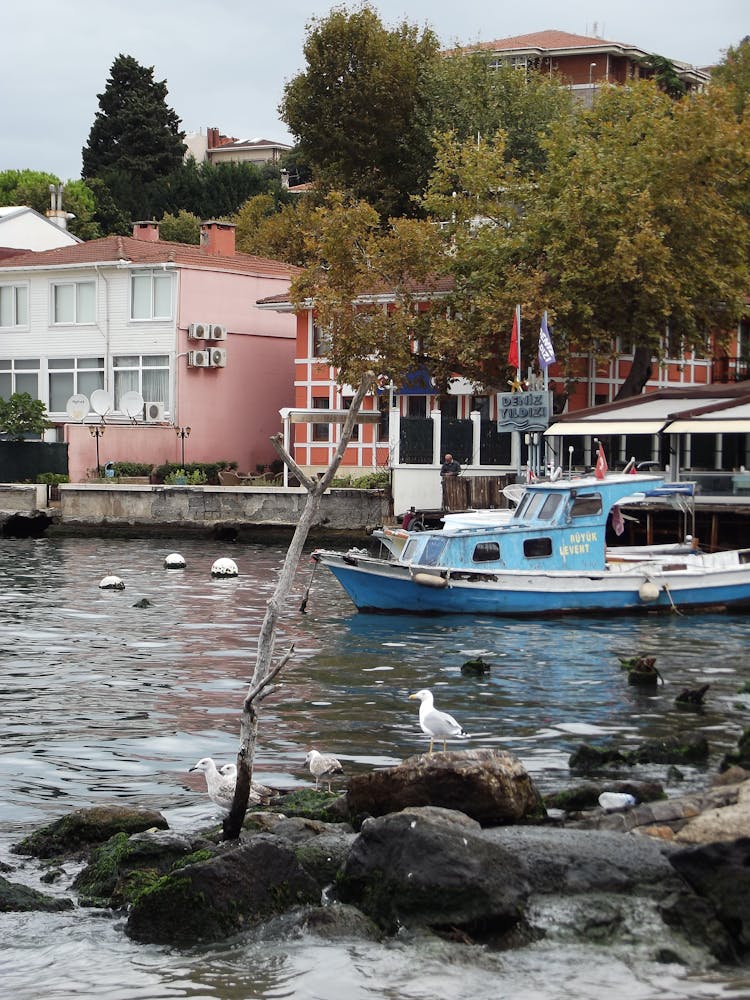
(538, 507)
(431, 552)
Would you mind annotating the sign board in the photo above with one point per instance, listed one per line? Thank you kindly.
(524, 411)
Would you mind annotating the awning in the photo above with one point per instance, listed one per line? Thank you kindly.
(603, 428)
(701, 425)
(320, 416)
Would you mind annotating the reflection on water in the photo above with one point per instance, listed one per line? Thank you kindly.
(102, 700)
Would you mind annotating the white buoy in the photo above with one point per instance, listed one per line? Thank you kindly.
(111, 583)
(175, 561)
(224, 567)
(648, 592)
(616, 800)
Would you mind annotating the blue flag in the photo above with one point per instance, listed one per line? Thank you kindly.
(546, 350)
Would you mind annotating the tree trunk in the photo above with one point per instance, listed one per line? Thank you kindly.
(265, 669)
(639, 374)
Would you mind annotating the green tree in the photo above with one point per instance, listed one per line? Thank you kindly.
(734, 71)
(472, 99)
(359, 110)
(184, 227)
(665, 75)
(635, 227)
(135, 139)
(354, 260)
(21, 415)
(279, 232)
(32, 188)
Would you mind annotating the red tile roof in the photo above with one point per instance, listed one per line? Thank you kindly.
(116, 248)
(438, 285)
(546, 40)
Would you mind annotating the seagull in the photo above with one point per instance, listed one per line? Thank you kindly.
(437, 725)
(220, 782)
(323, 765)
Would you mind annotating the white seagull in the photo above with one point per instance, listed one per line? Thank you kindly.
(323, 765)
(220, 782)
(437, 725)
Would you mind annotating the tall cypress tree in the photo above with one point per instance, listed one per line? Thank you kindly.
(136, 139)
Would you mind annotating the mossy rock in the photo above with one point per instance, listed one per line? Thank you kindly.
(740, 756)
(311, 803)
(21, 899)
(82, 829)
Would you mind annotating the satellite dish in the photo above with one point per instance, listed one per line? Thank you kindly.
(101, 401)
(132, 404)
(77, 407)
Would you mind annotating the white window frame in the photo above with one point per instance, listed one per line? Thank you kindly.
(153, 274)
(75, 285)
(23, 367)
(15, 289)
(139, 368)
(76, 368)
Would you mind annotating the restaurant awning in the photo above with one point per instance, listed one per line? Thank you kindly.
(602, 428)
(699, 425)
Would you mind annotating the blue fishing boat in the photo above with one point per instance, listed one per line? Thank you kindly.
(550, 557)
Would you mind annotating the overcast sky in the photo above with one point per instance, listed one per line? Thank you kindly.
(226, 61)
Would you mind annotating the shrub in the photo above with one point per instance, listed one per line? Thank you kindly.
(52, 478)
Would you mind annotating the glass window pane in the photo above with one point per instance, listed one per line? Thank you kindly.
(163, 295)
(61, 388)
(6, 306)
(155, 361)
(125, 381)
(91, 362)
(28, 364)
(141, 304)
(86, 302)
(22, 306)
(64, 303)
(6, 385)
(156, 386)
(66, 363)
(88, 381)
(28, 383)
(125, 361)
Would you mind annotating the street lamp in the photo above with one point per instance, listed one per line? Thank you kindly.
(97, 432)
(182, 433)
(592, 67)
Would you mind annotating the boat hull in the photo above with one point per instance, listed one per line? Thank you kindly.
(375, 585)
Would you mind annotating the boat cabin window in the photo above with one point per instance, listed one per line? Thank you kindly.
(431, 552)
(585, 506)
(549, 507)
(537, 548)
(486, 552)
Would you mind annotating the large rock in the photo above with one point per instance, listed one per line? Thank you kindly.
(590, 758)
(79, 830)
(432, 867)
(491, 786)
(19, 898)
(720, 873)
(724, 817)
(216, 898)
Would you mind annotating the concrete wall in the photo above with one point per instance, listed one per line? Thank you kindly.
(23, 496)
(206, 506)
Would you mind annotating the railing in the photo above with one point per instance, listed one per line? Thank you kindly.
(730, 370)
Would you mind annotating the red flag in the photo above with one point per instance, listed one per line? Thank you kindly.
(514, 351)
(600, 470)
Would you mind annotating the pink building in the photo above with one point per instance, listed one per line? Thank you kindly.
(140, 338)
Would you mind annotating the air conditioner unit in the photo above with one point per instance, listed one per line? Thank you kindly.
(218, 357)
(199, 359)
(218, 332)
(199, 331)
(154, 412)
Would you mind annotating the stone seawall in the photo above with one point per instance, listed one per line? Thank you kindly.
(187, 509)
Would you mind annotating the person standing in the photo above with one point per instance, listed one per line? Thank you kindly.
(450, 466)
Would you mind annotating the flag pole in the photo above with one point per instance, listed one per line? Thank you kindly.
(518, 342)
(546, 367)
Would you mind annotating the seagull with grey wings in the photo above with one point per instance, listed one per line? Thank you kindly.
(437, 725)
(323, 765)
(220, 782)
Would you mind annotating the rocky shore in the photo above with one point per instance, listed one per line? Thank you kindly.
(459, 844)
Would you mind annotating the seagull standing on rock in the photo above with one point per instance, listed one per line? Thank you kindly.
(437, 725)
(220, 782)
(323, 765)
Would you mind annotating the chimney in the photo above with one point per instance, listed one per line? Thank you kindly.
(218, 238)
(148, 231)
(55, 212)
(212, 135)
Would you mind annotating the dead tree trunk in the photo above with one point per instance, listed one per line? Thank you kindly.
(265, 669)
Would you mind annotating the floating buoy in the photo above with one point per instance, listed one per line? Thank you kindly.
(616, 800)
(174, 561)
(648, 592)
(224, 567)
(430, 580)
(111, 583)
